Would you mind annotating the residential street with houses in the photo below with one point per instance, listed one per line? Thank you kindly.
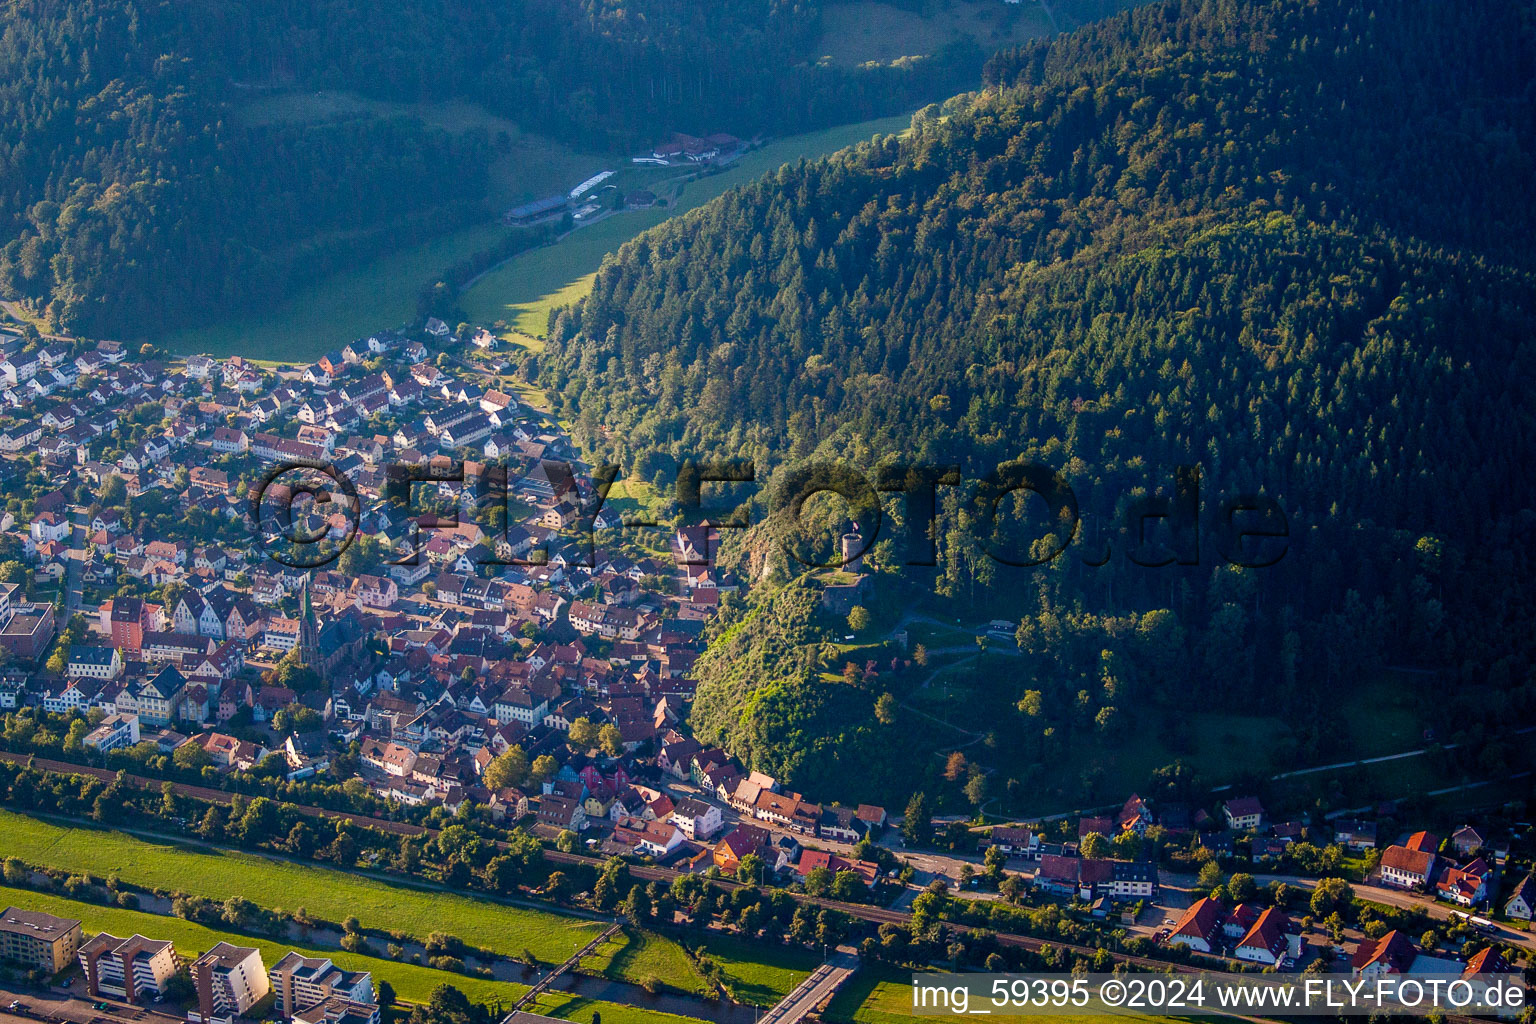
(76, 562)
(1176, 895)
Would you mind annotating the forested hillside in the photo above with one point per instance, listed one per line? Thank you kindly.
(133, 199)
(1284, 241)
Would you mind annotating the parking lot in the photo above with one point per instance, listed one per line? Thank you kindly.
(56, 1007)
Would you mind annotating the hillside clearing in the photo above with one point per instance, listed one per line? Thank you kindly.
(527, 165)
(339, 307)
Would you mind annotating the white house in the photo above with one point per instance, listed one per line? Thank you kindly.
(696, 819)
(1244, 813)
(49, 526)
(1404, 868)
(89, 662)
(1198, 925)
(1265, 942)
(114, 733)
(1521, 901)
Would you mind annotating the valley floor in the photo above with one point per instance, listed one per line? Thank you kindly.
(520, 293)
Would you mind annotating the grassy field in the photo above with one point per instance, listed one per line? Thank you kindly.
(875, 995)
(759, 973)
(1380, 720)
(337, 308)
(1224, 748)
(13, 317)
(411, 982)
(969, 691)
(641, 955)
(933, 636)
(636, 498)
(329, 894)
(335, 895)
(855, 33)
(382, 293)
(522, 291)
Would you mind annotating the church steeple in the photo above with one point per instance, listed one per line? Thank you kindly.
(309, 631)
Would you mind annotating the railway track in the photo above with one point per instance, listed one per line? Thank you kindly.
(647, 872)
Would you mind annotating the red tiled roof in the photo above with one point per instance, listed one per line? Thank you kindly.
(1200, 920)
(1267, 933)
(1486, 961)
(1393, 949)
(1401, 858)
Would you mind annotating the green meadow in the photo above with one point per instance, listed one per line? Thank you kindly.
(325, 893)
(382, 292)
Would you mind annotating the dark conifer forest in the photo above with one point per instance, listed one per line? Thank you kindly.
(1286, 242)
(134, 198)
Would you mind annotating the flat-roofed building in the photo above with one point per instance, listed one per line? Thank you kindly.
(130, 968)
(230, 980)
(337, 1010)
(302, 982)
(114, 733)
(38, 940)
(28, 632)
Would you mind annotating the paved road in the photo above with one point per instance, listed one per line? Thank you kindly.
(73, 568)
(815, 989)
(19, 315)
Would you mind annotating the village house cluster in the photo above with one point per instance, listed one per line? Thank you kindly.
(428, 669)
(147, 605)
(1457, 873)
(702, 810)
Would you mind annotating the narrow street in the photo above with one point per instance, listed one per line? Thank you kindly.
(74, 569)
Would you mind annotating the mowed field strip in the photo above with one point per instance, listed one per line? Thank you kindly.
(865, 30)
(759, 973)
(882, 994)
(333, 895)
(324, 892)
(411, 982)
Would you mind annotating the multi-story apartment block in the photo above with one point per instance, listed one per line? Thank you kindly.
(154, 700)
(230, 980)
(116, 732)
(38, 940)
(337, 1010)
(302, 982)
(130, 968)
